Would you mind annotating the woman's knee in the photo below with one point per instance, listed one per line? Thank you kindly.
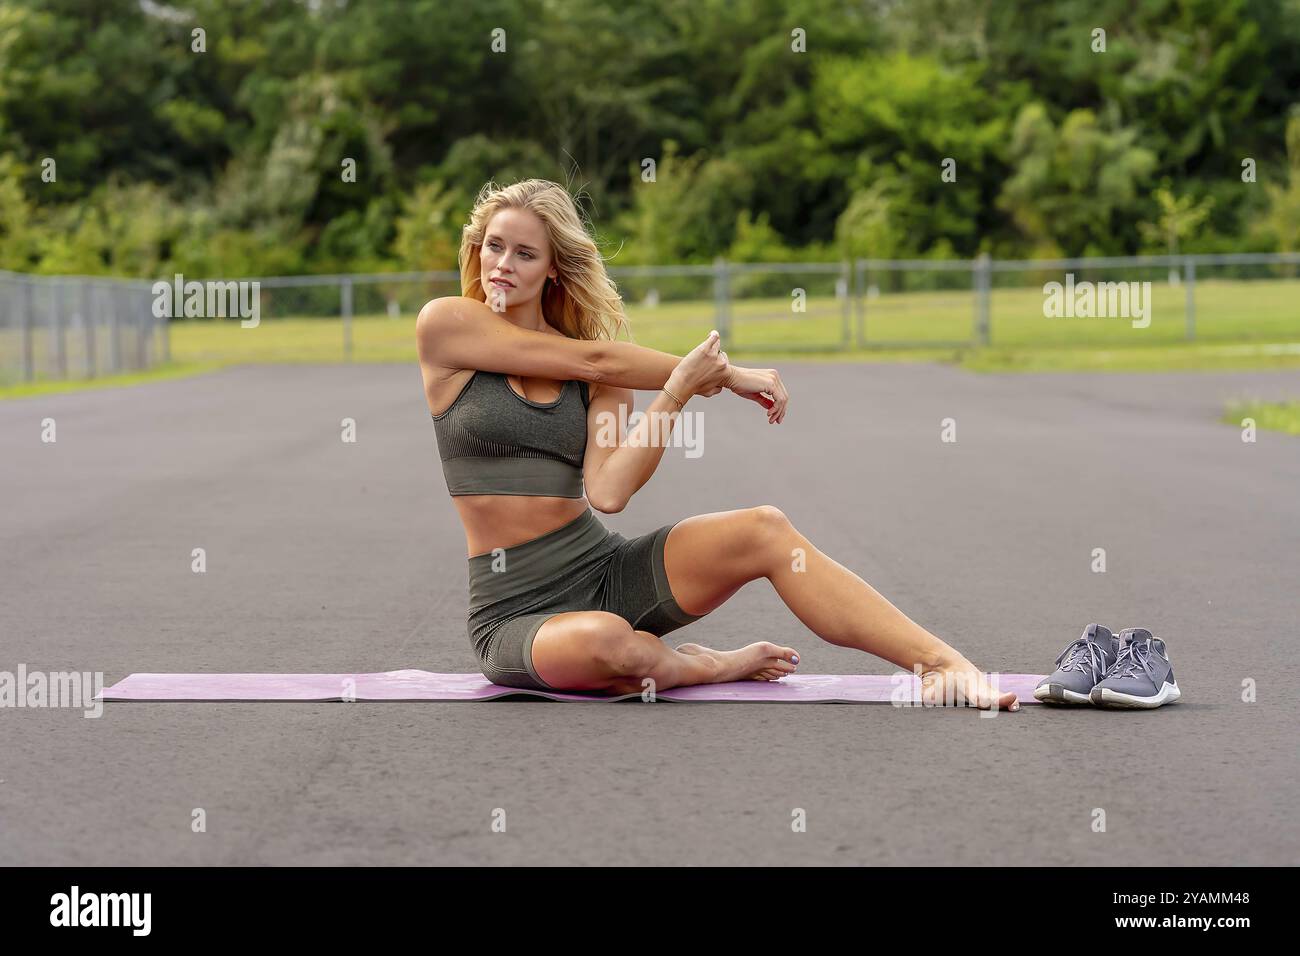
(590, 647)
(770, 524)
(611, 644)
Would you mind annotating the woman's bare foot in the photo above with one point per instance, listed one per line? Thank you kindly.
(963, 685)
(759, 661)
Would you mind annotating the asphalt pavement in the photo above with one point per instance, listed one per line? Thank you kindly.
(326, 556)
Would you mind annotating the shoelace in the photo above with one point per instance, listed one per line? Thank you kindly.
(1074, 658)
(1132, 656)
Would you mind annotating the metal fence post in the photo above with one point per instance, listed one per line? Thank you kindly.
(1189, 283)
(88, 326)
(983, 281)
(860, 302)
(165, 320)
(722, 301)
(29, 325)
(345, 306)
(60, 341)
(846, 309)
(138, 320)
(114, 330)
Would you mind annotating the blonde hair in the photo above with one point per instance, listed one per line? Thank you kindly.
(585, 303)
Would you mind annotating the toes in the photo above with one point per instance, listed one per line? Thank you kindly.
(777, 651)
(963, 688)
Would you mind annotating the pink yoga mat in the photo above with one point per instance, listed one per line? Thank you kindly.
(423, 685)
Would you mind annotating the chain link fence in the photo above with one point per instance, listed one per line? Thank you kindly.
(76, 326)
(60, 327)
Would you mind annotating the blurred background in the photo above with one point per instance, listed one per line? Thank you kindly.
(867, 179)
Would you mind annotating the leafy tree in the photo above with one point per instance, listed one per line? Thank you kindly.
(229, 161)
(1283, 219)
(1179, 218)
(1075, 184)
(428, 229)
(908, 118)
(19, 235)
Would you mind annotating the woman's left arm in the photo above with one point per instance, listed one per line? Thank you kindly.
(616, 466)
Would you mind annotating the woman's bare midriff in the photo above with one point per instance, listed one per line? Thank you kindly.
(503, 521)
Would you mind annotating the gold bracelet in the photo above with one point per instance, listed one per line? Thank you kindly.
(680, 406)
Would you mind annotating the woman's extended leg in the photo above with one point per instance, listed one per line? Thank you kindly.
(710, 557)
(596, 650)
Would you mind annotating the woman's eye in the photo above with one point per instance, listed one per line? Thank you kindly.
(495, 246)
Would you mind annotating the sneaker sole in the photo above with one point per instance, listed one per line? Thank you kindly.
(1105, 697)
(1059, 694)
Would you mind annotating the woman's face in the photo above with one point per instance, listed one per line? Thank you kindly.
(515, 259)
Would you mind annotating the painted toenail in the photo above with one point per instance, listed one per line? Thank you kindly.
(794, 658)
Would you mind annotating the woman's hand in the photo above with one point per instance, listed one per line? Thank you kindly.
(703, 371)
(762, 385)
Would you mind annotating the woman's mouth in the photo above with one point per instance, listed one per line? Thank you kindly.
(502, 284)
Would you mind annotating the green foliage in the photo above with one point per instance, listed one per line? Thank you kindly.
(1076, 184)
(902, 120)
(1282, 223)
(19, 233)
(1179, 219)
(231, 161)
(871, 225)
(428, 230)
(687, 214)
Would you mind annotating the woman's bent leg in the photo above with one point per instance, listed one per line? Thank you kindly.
(598, 650)
(709, 557)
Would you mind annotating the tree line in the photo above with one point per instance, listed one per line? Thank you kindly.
(221, 138)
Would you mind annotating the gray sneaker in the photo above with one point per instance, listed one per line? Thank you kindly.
(1141, 676)
(1079, 667)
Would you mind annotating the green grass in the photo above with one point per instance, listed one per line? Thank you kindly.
(1271, 416)
(1226, 311)
(1155, 358)
(158, 373)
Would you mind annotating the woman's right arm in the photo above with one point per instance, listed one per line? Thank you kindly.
(459, 332)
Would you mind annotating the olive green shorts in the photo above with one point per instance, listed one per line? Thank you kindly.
(581, 566)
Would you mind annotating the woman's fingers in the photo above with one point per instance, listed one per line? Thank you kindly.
(780, 397)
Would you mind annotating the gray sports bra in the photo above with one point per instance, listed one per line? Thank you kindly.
(493, 441)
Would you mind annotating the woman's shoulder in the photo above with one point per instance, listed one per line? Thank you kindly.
(448, 306)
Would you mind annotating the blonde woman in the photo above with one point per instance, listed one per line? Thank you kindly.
(523, 374)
